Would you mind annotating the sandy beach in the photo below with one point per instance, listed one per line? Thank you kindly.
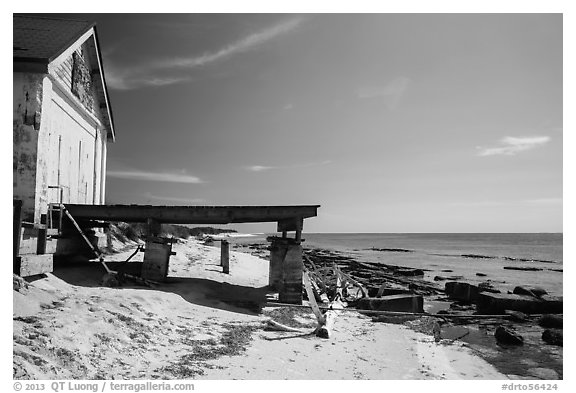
(68, 326)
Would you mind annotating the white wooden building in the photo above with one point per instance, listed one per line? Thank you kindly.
(62, 116)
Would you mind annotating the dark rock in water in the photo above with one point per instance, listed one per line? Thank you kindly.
(373, 291)
(454, 332)
(410, 272)
(551, 321)
(461, 307)
(554, 304)
(481, 274)
(390, 249)
(395, 319)
(363, 274)
(497, 303)
(528, 269)
(461, 291)
(477, 256)
(517, 316)
(487, 286)
(553, 337)
(507, 336)
(531, 291)
(451, 278)
(404, 303)
(446, 271)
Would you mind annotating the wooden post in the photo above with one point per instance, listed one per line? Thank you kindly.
(42, 232)
(153, 227)
(17, 233)
(225, 256)
(298, 236)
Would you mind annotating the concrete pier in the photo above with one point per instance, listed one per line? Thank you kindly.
(156, 258)
(286, 269)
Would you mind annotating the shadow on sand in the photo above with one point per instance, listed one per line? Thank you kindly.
(203, 292)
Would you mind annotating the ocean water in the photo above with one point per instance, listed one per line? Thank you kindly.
(456, 254)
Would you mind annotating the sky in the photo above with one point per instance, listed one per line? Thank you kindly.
(390, 122)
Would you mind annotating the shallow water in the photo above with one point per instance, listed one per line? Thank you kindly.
(461, 254)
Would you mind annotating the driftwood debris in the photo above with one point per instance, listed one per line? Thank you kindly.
(327, 320)
(325, 330)
(317, 283)
(312, 299)
(273, 325)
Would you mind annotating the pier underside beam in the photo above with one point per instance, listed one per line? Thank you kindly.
(194, 214)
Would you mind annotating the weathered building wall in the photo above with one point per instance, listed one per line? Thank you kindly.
(27, 113)
(59, 138)
(73, 147)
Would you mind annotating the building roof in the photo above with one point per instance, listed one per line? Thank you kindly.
(39, 40)
(43, 39)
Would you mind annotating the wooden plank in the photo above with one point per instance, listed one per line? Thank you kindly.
(191, 214)
(31, 265)
(312, 300)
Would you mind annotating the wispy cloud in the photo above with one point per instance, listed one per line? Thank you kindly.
(170, 177)
(262, 168)
(173, 199)
(390, 93)
(122, 80)
(243, 45)
(154, 73)
(511, 146)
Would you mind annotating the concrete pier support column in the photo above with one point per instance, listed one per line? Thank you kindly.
(225, 256)
(277, 253)
(292, 267)
(156, 258)
(286, 269)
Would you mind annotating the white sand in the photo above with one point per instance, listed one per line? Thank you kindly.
(82, 330)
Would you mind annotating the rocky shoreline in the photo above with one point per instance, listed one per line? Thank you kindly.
(520, 333)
